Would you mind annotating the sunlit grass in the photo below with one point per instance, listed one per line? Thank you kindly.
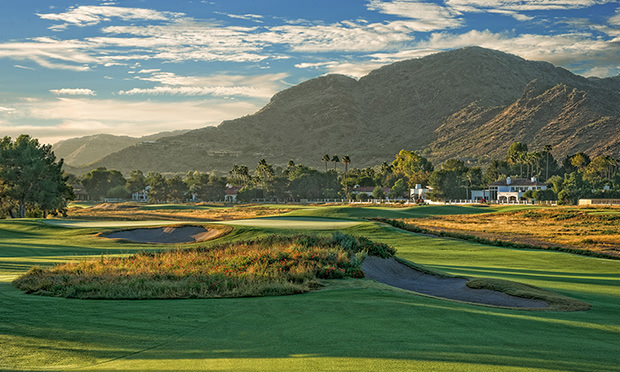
(352, 325)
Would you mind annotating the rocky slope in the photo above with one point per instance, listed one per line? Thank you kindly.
(468, 103)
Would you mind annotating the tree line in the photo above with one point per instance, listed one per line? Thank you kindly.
(32, 182)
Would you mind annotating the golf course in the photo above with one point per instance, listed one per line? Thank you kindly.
(347, 324)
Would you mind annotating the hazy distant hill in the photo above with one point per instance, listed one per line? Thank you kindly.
(466, 103)
(85, 150)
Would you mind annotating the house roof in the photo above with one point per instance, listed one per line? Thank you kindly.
(234, 190)
(370, 189)
(518, 182)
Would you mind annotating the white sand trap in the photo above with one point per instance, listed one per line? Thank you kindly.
(183, 234)
(392, 272)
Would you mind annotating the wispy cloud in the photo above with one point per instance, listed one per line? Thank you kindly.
(352, 69)
(428, 16)
(246, 17)
(73, 92)
(21, 67)
(71, 117)
(565, 49)
(91, 15)
(6, 110)
(51, 53)
(259, 86)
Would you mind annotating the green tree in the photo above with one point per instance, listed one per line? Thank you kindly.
(378, 193)
(239, 175)
(580, 160)
(136, 181)
(336, 160)
(264, 173)
(414, 167)
(547, 153)
(157, 188)
(600, 170)
(30, 177)
(447, 185)
(346, 160)
(176, 189)
(206, 187)
(517, 154)
(118, 192)
(326, 159)
(399, 189)
(99, 181)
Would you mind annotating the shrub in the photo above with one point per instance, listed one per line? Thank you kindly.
(274, 265)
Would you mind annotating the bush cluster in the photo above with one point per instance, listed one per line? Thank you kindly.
(274, 265)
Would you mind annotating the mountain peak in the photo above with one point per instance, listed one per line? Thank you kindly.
(471, 102)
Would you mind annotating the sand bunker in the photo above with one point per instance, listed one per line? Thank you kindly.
(392, 272)
(183, 234)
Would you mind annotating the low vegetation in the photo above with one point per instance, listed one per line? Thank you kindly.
(180, 212)
(274, 265)
(586, 231)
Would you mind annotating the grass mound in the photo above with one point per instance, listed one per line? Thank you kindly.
(556, 301)
(274, 265)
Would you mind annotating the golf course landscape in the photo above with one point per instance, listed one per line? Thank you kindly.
(346, 324)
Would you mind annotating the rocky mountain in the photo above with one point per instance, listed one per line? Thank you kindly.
(82, 151)
(469, 103)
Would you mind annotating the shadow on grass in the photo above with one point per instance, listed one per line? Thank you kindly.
(361, 324)
(555, 276)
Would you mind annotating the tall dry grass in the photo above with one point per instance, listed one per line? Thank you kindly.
(274, 265)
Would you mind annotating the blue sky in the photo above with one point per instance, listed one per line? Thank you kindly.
(138, 67)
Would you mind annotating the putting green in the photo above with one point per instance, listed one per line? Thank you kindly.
(92, 224)
(310, 223)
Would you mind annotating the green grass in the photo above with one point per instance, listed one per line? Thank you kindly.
(351, 325)
(294, 223)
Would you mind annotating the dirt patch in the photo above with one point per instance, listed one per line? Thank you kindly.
(169, 235)
(392, 272)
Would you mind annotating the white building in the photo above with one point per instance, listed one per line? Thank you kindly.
(419, 192)
(511, 190)
(480, 195)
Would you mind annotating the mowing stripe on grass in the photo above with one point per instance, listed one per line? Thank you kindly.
(310, 223)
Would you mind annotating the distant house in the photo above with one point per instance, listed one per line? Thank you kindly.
(599, 201)
(80, 193)
(141, 196)
(419, 192)
(511, 190)
(368, 190)
(230, 194)
(480, 195)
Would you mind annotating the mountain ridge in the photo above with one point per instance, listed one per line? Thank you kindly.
(81, 151)
(470, 103)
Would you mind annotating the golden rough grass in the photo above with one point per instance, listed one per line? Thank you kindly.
(132, 212)
(589, 229)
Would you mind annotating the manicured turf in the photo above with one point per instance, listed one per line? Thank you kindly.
(295, 223)
(352, 325)
(96, 224)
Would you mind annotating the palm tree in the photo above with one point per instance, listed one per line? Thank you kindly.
(326, 159)
(336, 160)
(547, 151)
(346, 160)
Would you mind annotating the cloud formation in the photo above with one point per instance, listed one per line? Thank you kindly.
(91, 15)
(73, 92)
(73, 117)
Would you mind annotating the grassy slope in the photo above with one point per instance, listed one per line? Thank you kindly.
(348, 326)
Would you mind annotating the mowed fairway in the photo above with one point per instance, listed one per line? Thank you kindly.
(351, 325)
